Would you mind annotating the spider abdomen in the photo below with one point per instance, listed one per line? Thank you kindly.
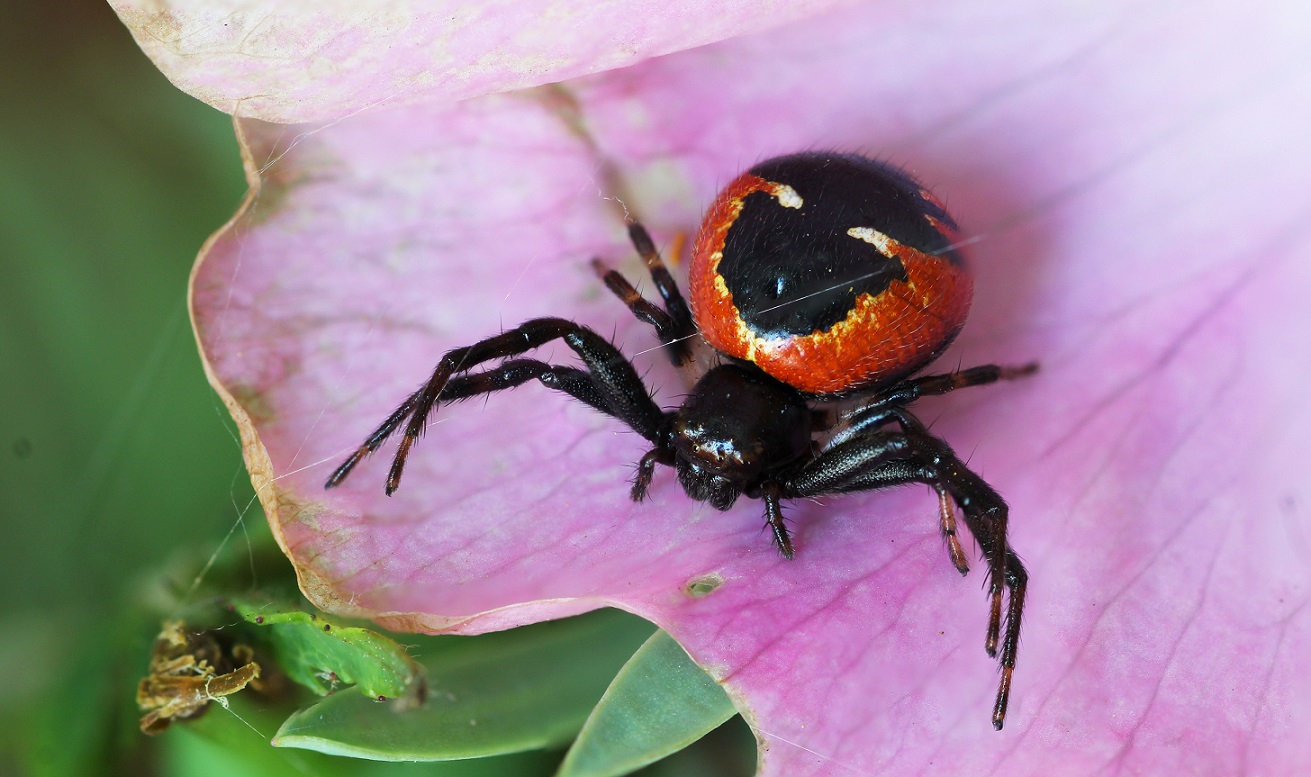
(831, 272)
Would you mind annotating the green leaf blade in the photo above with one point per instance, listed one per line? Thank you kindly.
(659, 703)
(493, 694)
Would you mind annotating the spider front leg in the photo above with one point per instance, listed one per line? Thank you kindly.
(772, 493)
(612, 386)
(885, 459)
(661, 454)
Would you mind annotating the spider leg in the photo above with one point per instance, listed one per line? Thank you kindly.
(916, 430)
(616, 387)
(516, 372)
(987, 516)
(933, 385)
(664, 282)
(883, 407)
(851, 461)
(827, 474)
(373, 441)
(947, 520)
(646, 470)
(644, 310)
(673, 324)
(889, 458)
(772, 493)
(574, 382)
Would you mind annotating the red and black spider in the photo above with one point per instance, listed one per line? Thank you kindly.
(819, 278)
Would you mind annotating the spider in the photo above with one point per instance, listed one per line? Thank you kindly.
(822, 280)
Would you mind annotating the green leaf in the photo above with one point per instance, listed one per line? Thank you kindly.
(323, 655)
(658, 704)
(230, 742)
(525, 689)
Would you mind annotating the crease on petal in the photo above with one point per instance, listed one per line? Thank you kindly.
(314, 62)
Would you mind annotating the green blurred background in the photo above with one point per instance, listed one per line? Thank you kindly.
(116, 459)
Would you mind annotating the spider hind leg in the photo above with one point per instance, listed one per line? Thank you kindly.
(673, 323)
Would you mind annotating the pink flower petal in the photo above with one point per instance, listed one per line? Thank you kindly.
(319, 61)
(1138, 182)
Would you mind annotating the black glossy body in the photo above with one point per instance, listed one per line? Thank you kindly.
(742, 432)
(737, 427)
(761, 265)
(832, 273)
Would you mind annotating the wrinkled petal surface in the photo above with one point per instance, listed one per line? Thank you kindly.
(1136, 177)
(318, 60)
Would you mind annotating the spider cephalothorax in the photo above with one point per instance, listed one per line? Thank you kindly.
(736, 427)
(819, 278)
